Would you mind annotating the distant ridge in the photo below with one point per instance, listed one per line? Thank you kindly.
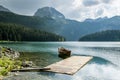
(4, 9)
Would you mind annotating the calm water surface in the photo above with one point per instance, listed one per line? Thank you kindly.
(104, 66)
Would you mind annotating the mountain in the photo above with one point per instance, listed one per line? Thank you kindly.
(4, 9)
(108, 35)
(31, 21)
(18, 27)
(49, 12)
(36, 22)
(48, 19)
(72, 30)
(44, 24)
(55, 20)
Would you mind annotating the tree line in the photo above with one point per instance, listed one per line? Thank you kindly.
(108, 35)
(15, 32)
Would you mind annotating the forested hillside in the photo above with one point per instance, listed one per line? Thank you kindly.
(28, 21)
(15, 32)
(109, 35)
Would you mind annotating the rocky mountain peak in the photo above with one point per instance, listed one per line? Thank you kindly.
(49, 12)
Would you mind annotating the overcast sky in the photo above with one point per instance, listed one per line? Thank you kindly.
(72, 9)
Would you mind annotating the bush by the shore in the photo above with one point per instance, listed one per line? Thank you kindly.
(8, 60)
(7, 64)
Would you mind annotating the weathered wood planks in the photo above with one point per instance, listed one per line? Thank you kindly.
(70, 65)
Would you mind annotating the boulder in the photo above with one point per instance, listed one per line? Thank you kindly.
(8, 52)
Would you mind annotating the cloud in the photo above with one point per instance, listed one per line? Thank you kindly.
(95, 2)
(99, 8)
(99, 12)
(90, 2)
(72, 9)
(106, 1)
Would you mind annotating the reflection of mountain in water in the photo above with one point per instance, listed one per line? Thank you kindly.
(101, 61)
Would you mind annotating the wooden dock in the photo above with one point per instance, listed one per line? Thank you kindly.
(66, 66)
(70, 65)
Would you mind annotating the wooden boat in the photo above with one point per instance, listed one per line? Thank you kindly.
(64, 53)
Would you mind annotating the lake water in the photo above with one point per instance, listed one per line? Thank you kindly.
(104, 66)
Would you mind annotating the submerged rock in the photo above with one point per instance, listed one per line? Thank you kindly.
(27, 64)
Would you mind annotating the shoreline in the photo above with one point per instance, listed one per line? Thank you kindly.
(10, 60)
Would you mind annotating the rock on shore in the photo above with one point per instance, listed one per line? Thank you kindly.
(9, 60)
(9, 52)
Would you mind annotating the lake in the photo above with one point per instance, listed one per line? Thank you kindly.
(104, 66)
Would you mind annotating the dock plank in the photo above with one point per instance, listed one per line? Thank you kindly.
(70, 65)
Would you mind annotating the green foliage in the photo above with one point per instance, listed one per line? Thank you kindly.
(109, 35)
(3, 71)
(7, 64)
(15, 32)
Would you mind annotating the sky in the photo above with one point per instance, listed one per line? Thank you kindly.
(72, 9)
